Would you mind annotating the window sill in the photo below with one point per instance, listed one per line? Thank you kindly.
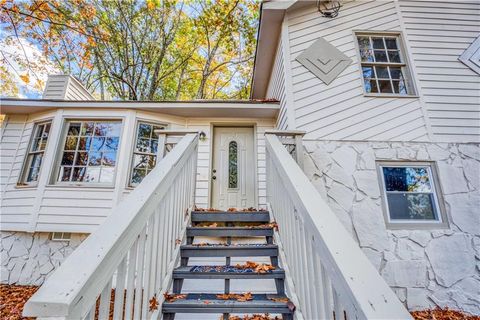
(417, 226)
(83, 185)
(390, 95)
(28, 186)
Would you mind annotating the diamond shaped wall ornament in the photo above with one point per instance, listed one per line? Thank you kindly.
(471, 56)
(324, 60)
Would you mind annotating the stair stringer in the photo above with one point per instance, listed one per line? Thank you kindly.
(289, 284)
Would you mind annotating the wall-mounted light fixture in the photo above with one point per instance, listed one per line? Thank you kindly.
(328, 8)
(202, 136)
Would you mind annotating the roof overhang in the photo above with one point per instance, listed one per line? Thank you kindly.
(189, 109)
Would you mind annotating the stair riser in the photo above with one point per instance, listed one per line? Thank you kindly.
(207, 309)
(228, 252)
(230, 276)
(231, 217)
(218, 232)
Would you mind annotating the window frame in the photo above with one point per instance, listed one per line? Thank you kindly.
(22, 183)
(440, 223)
(129, 185)
(405, 65)
(60, 148)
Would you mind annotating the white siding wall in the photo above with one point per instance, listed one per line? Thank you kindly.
(438, 33)
(277, 89)
(50, 207)
(340, 110)
(17, 204)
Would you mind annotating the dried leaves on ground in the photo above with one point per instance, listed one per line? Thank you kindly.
(257, 267)
(12, 300)
(442, 314)
(173, 297)
(253, 317)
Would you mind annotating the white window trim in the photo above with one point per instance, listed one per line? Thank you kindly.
(440, 223)
(409, 77)
(60, 236)
(58, 157)
(132, 151)
(21, 183)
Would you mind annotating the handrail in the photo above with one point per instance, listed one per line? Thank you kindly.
(332, 276)
(133, 251)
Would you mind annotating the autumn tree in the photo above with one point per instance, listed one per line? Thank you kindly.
(152, 50)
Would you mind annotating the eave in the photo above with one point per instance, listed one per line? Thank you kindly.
(194, 109)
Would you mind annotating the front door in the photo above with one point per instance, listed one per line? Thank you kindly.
(233, 169)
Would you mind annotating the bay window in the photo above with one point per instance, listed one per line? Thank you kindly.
(89, 152)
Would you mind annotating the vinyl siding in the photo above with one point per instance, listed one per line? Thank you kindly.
(277, 89)
(340, 110)
(438, 33)
(16, 204)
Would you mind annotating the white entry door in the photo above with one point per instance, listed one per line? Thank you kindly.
(233, 169)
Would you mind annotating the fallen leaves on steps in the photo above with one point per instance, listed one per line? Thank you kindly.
(173, 297)
(257, 267)
(241, 297)
(253, 317)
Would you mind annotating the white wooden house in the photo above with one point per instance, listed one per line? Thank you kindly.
(380, 108)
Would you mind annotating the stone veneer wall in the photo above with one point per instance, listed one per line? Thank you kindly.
(27, 259)
(424, 267)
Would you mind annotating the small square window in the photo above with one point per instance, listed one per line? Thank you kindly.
(383, 65)
(410, 195)
(60, 236)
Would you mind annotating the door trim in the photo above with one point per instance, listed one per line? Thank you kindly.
(252, 125)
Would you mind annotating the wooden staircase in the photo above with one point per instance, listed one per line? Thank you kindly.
(245, 224)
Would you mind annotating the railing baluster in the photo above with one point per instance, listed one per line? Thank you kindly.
(148, 265)
(105, 297)
(120, 290)
(132, 261)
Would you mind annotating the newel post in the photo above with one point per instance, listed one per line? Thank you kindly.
(293, 142)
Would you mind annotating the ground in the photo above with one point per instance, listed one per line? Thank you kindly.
(12, 299)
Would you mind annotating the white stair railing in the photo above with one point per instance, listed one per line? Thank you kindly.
(134, 251)
(332, 277)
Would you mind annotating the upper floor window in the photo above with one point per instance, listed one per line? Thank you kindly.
(35, 154)
(384, 67)
(411, 194)
(145, 151)
(89, 152)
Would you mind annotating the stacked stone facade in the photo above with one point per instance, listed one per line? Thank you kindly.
(27, 259)
(426, 268)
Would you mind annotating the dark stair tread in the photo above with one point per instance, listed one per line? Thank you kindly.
(187, 273)
(225, 216)
(230, 231)
(209, 303)
(255, 250)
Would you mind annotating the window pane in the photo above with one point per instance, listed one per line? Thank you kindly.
(394, 56)
(39, 131)
(154, 146)
(67, 158)
(143, 145)
(87, 128)
(82, 159)
(138, 175)
(366, 52)
(95, 158)
(78, 174)
(232, 165)
(106, 175)
(98, 143)
(112, 144)
(382, 72)
(144, 130)
(385, 86)
(391, 43)
(65, 173)
(140, 161)
(396, 73)
(155, 135)
(371, 86)
(380, 56)
(378, 43)
(410, 179)
(411, 206)
(33, 174)
(109, 159)
(73, 129)
(71, 143)
(399, 87)
(84, 144)
(36, 144)
(92, 174)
